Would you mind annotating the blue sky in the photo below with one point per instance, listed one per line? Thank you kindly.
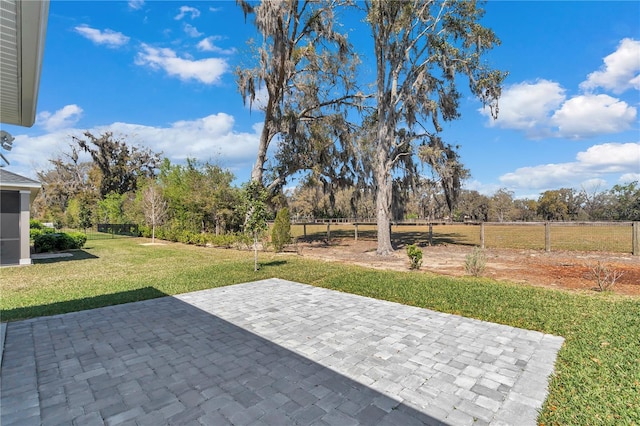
(160, 73)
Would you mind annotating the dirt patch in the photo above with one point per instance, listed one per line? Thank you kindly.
(558, 269)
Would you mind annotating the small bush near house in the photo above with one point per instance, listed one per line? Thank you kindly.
(35, 224)
(33, 232)
(281, 232)
(475, 262)
(415, 256)
(37, 228)
(48, 242)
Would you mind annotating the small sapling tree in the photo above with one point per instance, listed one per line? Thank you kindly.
(85, 216)
(475, 262)
(255, 197)
(415, 256)
(155, 208)
(281, 232)
(604, 276)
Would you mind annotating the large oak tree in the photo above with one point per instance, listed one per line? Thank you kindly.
(121, 165)
(420, 48)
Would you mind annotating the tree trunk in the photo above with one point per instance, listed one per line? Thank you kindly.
(255, 251)
(258, 167)
(153, 233)
(265, 140)
(383, 205)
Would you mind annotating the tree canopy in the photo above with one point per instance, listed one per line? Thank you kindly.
(420, 47)
(308, 70)
(301, 73)
(120, 164)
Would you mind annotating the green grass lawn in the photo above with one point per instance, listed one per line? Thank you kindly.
(597, 378)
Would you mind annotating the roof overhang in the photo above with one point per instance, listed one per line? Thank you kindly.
(10, 181)
(23, 26)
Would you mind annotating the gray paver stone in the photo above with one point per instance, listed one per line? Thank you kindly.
(271, 352)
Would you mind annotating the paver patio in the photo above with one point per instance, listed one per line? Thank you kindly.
(271, 352)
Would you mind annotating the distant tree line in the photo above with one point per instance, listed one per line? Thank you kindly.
(126, 184)
(427, 201)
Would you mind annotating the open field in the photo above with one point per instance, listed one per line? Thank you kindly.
(615, 238)
(597, 378)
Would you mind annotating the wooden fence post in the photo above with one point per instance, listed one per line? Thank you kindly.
(547, 236)
(328, 231)
(304, 228)
(430, 234)
(482, 235)
(635, 238)
(356, 230)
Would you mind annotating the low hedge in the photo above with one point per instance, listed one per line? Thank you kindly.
(58, 241)
(197, 238)
(34, 232)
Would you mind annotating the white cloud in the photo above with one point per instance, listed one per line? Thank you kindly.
(207, 45)
(64, 118)
(590, 115)
(205, 138)
(611, 157)
(594, 185)
(541, 110)
(192, 31)
(621, 69)
(629, 177)
(594, 163)
(187, 10)
(31, 154)
(487, 189)
(208, 138)
(207, 71)
(107, 37)
(528, 106)
(136, 4)
(539, 177)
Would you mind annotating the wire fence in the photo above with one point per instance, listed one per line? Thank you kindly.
(107, 231)
(617, 237)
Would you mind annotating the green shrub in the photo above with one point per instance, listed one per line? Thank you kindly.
(33, 232)
(79, 239)
(45, 242)
(281, 231)
(224, 240)
(35, 224)
(243, 241)
(145, 231)
(198, 238)
(475, 262)
(48, 242)
(415, 256)
(37, 228)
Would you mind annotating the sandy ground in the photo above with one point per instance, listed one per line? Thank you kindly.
(558, 269)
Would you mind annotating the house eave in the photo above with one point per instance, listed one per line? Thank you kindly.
(22, 37)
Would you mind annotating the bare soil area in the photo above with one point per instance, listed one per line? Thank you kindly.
(558, 269)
